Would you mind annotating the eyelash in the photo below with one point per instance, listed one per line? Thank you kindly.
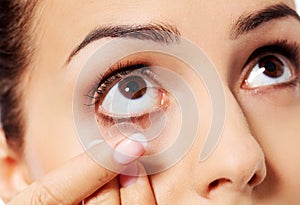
(282, 47)
(289, 50)
(118, 72)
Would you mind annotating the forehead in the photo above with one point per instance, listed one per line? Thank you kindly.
(86, 14)
(66, 23)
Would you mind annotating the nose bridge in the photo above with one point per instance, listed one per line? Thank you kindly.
(237, 164)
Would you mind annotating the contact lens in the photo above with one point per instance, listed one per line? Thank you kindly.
(161, 113)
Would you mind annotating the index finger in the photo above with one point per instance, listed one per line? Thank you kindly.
(77, 179)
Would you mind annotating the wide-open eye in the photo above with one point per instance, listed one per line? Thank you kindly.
(132, 87)
(269, 70)
(133, 92)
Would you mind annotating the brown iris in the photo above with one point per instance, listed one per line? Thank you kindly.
(273, 66)
(132, 87)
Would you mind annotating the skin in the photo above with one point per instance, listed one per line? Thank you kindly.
(260, 136)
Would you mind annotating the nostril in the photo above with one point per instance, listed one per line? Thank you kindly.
(254, 179)
(218, 182)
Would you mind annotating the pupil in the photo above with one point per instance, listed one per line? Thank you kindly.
(270, 66)
(132, 87)
(273, 66)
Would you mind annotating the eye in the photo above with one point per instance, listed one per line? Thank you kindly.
(274, 64)
(269, 70)
(130, 92)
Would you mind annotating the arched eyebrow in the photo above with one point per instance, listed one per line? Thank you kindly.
(250, 21)
(161, 33)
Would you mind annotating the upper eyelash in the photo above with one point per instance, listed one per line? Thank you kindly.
(117, 71)
(117, 74)
(290, 50)
(283, 47)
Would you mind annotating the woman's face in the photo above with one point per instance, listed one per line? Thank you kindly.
(256, 158)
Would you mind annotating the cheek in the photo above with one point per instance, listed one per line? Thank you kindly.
(177, 183)
(50, 135)
(275, 124)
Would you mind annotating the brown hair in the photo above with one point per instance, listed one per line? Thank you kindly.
(15, 17)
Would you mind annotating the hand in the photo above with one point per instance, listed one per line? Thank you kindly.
(82, 179)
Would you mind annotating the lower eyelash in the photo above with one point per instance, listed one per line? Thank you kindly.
(105, 119)
(267, 89)
(293, 83)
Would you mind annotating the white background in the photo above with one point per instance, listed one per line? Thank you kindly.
(298, 5)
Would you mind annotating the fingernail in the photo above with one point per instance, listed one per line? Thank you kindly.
(128, 151)
(138, 137)
(129, 175)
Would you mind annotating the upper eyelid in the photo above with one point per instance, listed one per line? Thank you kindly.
(121, 69)
(248, 71)
(117, 74)
(289, 50)
(265, 49)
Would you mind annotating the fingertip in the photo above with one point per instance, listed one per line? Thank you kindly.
(128, 151)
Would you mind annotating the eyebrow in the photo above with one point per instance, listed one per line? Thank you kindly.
(161, 33)
(250, 21)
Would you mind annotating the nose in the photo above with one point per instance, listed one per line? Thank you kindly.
(237, 165)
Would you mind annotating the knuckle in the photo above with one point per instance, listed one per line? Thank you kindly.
(104, 177)
(43, 195)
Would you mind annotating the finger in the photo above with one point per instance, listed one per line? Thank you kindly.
(136, 189)
(108, 194)
(78, 179)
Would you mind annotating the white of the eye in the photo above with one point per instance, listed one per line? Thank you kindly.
(116, 104)
(257, 78)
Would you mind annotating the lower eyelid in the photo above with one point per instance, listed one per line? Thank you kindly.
(293, 69)
(163, 104)
(143, 121)
(264, 90)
